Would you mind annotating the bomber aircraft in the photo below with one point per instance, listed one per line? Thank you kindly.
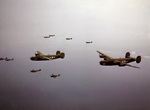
(49, 36)
(109, 61)
(8, 59)
(40, 56)
(33, 71)
(68, 38)
(54, 75)
(89, 42)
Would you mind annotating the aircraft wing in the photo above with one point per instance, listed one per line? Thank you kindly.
(45, 58)
(102, 55)
(132, 66)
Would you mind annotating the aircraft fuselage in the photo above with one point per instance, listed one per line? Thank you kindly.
(117, 61)
(41, 58)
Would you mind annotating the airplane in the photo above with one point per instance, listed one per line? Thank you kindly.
(109, 61)
(68, 38)
(40, 56)
(54, 75)
(49, 36)
(89, 42)
(8, 59)
(35, 70)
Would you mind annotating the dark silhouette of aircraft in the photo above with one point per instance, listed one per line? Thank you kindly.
(33, 71)
(49, 36)
(54, 75)
(89, 42)
(40, 56)
(68, 38)
(8, 59)
(109, 61)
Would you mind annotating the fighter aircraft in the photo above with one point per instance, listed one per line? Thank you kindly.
(68, 38)
(54, 75)
(89, 42)
(8, 59)
(109, 61)
(33, 71)
(40, 56)
(49, 36)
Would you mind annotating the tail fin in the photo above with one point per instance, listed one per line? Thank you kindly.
(58, 52)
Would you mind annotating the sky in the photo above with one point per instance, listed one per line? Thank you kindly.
(114, 26)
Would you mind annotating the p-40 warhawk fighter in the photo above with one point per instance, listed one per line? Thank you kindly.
(109, 61)
(40, 56)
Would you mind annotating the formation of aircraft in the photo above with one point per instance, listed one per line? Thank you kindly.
(109, 61)
(49, 36)
(54, 75)
(33, 71)
(68, 38)
(89, 42)
(7, 59)
(40, 56)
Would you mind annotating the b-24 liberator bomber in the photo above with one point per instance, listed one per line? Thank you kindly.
(54, 75)
(41, 57)
(8, 59)
(68, 38)
(89, 42)
(109, 61)
(33, 71)
(49, 36)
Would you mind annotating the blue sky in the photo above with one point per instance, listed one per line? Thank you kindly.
(115, 27)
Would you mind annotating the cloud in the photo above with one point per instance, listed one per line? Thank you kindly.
(133, 52)
(146, 56)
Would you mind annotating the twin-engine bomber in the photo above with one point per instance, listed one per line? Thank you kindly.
(109, 61)
(41, 57)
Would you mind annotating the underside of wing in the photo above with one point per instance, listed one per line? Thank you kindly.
(45, 58)
(102, 55)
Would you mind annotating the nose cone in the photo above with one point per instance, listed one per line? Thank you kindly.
(102, 62)
(31, 58)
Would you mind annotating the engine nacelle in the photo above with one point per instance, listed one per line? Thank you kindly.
(101, 56)
(138, 59)
(102, 63)
(127, 55)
